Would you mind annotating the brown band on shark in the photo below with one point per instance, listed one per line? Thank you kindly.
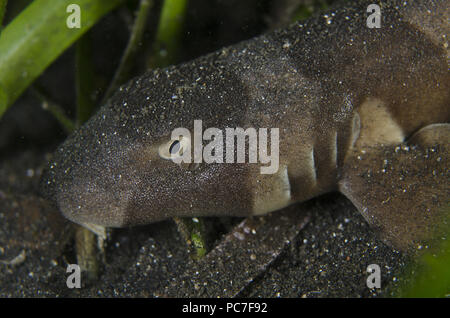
(432, 19)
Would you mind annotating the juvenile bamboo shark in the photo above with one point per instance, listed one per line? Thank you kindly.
(364, 111)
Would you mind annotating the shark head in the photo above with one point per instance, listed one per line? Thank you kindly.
(119, 169)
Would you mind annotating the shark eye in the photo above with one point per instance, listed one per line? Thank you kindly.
(175, 147)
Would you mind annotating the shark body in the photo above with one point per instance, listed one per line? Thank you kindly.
(360, 110)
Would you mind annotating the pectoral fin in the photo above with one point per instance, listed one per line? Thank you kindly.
(403, 191)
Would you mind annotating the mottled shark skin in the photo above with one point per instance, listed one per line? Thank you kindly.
(346, 98)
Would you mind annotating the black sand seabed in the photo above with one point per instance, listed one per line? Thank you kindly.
(317, 249)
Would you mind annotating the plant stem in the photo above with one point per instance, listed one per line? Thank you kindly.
(122, 72)
(168, 35)
(84, 79)
(56, 110)
(85, 244)
(193, 232)
(2, 12)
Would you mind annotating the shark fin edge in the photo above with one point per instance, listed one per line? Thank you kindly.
(403, 191)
